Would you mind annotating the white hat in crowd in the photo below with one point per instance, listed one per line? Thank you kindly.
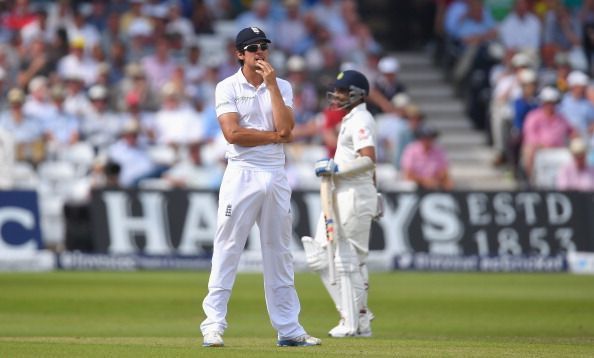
(577, 146)
(401, 100)
(97, 92)
(295, 64)
(37, 82)
(388, 65)
(549, 94)
(527, 76)
(521, 60)
(577, 78)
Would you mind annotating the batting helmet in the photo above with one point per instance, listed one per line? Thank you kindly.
(353, 81)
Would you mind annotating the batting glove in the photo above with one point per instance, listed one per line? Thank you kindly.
(325, 167)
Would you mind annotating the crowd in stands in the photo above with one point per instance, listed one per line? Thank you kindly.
(524, 69)
(120, 93)
(124, 90)
(126, 87)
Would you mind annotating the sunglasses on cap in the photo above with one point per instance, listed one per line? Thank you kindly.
(254, 47)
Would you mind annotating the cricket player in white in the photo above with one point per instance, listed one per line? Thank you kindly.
(355, 205)
(254, 109)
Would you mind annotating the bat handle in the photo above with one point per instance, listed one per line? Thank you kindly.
(331, 265)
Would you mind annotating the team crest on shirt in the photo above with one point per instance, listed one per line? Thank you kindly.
(363, 133)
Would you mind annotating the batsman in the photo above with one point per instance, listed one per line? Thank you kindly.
(338, 252)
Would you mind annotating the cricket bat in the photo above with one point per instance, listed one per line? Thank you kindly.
(327, 209)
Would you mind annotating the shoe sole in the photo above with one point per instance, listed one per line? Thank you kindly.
(294, 344)
(212, 345)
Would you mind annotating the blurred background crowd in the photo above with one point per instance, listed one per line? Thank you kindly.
(120, 93)
(523, 70)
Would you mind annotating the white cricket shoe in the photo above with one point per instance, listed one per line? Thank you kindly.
(213, 339)
(302, 341)
(364, 329)
(341, 331)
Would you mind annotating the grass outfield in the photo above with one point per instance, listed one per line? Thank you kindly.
(156, 314)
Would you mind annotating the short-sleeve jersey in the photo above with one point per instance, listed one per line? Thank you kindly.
(357, 131)
(236, 95)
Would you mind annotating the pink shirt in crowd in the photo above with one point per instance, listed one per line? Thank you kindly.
(424, 164)
(572, 178)
(542, 130)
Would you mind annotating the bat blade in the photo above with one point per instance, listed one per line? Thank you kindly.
(328, 212)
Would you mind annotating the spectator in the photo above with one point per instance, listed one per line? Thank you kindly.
(328, 12)
(389, 127)
(38, 28)
(576, 175)
(406, 134)
(178, 24)
(555, 75)
(80, 28)
(507, 89)
(19, 16)
(25, 130)
(97, 14)
(576, 108)
(305, 101)
(476, 29)
(100, 127)
(425, 163)
(292, 29)
(76, 101)
(78, 63)
(145, 119)
(586, 17)
(203, 18)
(332, 117)
(35, 62)
(61, 128)
(521, 30)
(37, 104)
(132, 157)
(159, 66)
(386, 85)
(561, 30)
(176, 123)
(134, 15)
(111, 34)
(192, 63)
(135, 81)
(544, 127)
(194, 173)
(59, 15)
(521, 107)
(259, 15)
(453, 16)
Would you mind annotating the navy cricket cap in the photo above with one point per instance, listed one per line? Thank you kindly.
(248, 36)
(348, 78)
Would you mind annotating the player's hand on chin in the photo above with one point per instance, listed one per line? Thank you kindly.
(265, 70)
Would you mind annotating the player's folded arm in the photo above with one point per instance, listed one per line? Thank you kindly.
(245, 137)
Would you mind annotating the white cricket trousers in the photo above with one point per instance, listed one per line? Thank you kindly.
(248, 196)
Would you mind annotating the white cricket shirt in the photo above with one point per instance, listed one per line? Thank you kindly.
(357, 131)
(235, 94)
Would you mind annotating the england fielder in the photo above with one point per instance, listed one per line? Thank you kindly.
(355, 205)
(254, 111)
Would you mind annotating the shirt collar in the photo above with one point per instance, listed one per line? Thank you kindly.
(243, 81)
(358, 108)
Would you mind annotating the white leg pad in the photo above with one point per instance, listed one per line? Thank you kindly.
(349, 305)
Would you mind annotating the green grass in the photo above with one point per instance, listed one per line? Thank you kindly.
(156, 314)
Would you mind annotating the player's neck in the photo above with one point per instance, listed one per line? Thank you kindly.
(251, 76)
